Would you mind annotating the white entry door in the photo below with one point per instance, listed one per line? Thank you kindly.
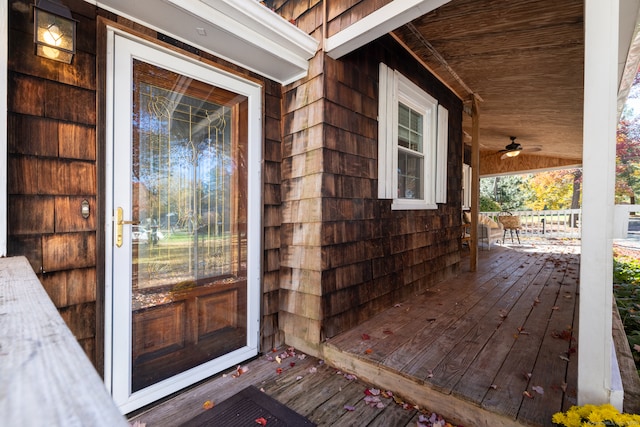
(183, 223)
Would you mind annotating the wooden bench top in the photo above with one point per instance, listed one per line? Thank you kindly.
(45, 376)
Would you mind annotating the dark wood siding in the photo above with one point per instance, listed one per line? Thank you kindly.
(55, 162)
(374, 257)
(52, 167)
(345, 254)
(308, 14)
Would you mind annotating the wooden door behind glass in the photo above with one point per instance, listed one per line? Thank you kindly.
(188, 208)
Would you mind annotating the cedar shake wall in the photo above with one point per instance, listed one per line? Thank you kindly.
(54, 163)
(52, 167)
(345, 254)
(373, 257)
(341, 14)
(308, 14)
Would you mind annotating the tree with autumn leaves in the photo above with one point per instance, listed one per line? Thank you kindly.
(628, 149)
(628, 160)
(559, 189)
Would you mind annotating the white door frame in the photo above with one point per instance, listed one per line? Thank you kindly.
(121, 49)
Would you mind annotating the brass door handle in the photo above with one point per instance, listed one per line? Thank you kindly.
(119, 223)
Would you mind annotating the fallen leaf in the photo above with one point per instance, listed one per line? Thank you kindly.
(240, 370)
(313, 370)
(387, 332)
(365, 337)
(368, 351)
(527, 375)
(429, 373)
(538, 389)
(565, 358)
(261, 421)
(564, 387)
(292, 364)
(493, 386)
(527, 394)
(349, 408)
(555, 307)
(299, 377)
(279, 371)
(207, 405)
(278, 359)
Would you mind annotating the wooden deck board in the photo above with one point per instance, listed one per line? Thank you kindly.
(393, 327)
(329, 412)
(406, 347)
(499, 300)
(481, 374)
(550, 371)
(394, 415)
(480, 340)
(538, 349)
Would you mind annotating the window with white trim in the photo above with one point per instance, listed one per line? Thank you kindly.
(412, 145)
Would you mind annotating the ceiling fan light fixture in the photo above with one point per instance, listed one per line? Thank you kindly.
(514, 153)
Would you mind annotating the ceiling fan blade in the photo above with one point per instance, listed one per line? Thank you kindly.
(532, 149)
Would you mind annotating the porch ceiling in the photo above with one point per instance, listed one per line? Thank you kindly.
(523, 59)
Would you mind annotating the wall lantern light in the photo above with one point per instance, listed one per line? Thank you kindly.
(54, 31)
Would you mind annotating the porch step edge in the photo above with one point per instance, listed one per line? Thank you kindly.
(416, 391)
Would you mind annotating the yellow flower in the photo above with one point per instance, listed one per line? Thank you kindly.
(595, 416)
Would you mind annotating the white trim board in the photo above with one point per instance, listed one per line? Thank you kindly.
(245, 33)
(377, 24)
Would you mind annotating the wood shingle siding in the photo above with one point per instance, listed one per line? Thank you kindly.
(345, 254)
(341, 14)
(52, 167)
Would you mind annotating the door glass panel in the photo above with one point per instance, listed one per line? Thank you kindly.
(188, 188)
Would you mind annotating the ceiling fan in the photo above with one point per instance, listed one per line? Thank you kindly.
(514, 149)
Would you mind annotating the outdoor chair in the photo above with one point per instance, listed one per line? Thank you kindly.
(510, 223)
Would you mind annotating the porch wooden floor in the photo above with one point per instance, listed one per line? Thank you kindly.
(490, 348)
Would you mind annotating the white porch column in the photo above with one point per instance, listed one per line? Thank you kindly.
(596, 266)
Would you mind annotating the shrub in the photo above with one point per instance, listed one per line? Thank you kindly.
(487, 204)
(626, 290)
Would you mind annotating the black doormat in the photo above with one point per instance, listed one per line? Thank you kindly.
(247, 406)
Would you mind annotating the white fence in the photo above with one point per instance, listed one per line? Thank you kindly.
(559, 223)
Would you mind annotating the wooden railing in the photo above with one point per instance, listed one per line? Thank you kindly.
(45, 377)
(548, 223)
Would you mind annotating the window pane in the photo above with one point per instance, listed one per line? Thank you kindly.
(409, 128)
(409, 176)
(189, 189)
